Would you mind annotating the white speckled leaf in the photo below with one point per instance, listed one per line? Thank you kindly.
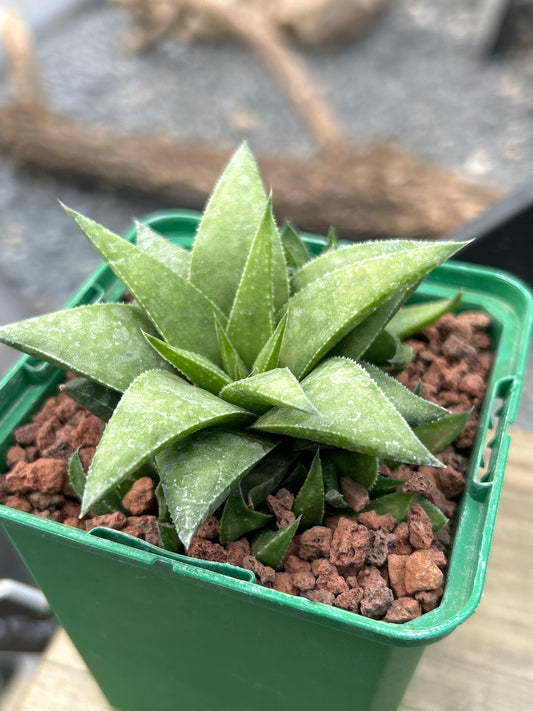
(354, 414)
(155, 411)
(180, 312)
(330, 261)
(413, 318)
(316, 322)
(414, 409)
(227, 229)
(175, 257)
(260, 392)
(231, 359)
(199, 472)
(198, 369)
(268, 357)
(251, 321)
(103, 342)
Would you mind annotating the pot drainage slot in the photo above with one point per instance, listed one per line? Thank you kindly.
(37, 370)
(494, 451)
(95, 294)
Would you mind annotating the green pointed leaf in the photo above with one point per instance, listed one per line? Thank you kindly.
(354, 415)
(176, 258)
(111, 503)
(331, 261)
(397, 504)
(231, 359)
(296, 252)
(258, 393)
(197, 368)
(332, 243)
(169, 538)
(413, 318)
(199, 472)
(238, 519)
(251, 320)
(270, 547)
(98, 399)
(362, 468)
(419, 389)
(71, 339)
(316, 323)
(436, 436)
(269, 355)
(280, 275)
(296, 478)
(332, 494)
(155, 411)
(181, 313)
(384, 349)
(266, 476)
(414, 409)
(76, 475)
(227, 229)
(438, 518)
(163, 512)
(309, 504)
(385, 485)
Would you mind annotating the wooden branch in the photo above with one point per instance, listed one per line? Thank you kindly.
(254, 28)
(20, 55)
(379, 191)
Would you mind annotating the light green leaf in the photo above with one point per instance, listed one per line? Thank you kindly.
(270, 547)
(296, 252)
(198, 473)
(155, 411)
(385, 485)
(354, 415)
(96, 398)
(258, 393)
(414, 409)
(413, 318)
(103, 342)
(385, 349)
(238, 519)
(309, 503)
(316, 323)
(181, 313)
(162, 508)
(176, 258)
(111, 503)
(397, 504)
(227, 229)
(231, 359)
(352, 254)
(269, 355)
(332, 243)
(251, 321)
(438, 518)
(197, 368)
(362, 468)
(436, 436)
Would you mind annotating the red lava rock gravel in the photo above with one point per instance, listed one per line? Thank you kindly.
(367, 563)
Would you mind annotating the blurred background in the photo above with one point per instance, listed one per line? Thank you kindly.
(405, 118)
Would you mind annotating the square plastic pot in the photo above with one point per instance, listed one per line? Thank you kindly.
(158, 630)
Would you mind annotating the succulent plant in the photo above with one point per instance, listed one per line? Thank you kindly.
(246, 365)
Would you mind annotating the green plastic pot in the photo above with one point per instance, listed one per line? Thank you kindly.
(158, 630)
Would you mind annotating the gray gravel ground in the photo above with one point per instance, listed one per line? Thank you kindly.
(416, 77)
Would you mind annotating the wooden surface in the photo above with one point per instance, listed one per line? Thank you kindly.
(485, 665)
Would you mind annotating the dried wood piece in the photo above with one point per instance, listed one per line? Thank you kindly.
(308, 22)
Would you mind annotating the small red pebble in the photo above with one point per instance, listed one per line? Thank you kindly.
(140, 498)
(315, 543)
(349, 545)
(421, 572)
(87, 433)
(402, 610)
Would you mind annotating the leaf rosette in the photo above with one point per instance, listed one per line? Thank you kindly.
(246, 365)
